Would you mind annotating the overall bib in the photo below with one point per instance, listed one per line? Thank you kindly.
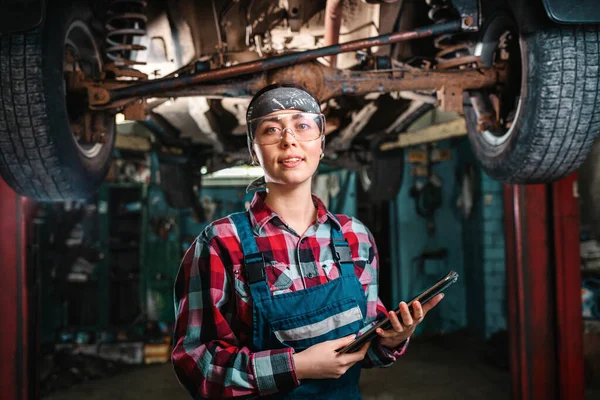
(306, 317)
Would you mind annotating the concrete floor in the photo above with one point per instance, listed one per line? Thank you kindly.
(451, 367)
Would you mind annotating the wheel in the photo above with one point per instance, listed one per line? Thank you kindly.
(383, 171)
(52, 147)
(178, 185)
(381, 176)
(541, 125)
(176, 182)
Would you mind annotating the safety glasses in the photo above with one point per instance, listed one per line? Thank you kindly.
(270, 129)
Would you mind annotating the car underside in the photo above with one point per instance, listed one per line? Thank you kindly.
(522, 77)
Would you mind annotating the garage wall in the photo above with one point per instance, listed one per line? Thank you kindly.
(494, 262)
(415, 273)
(474, 244)
(484, 249)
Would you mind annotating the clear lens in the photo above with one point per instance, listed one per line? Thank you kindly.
(303, 126)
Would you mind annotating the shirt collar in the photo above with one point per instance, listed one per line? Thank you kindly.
(261, 213)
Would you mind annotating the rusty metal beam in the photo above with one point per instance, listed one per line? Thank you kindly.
(325, 82)
(99, 95)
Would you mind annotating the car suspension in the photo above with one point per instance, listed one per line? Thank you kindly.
(125, 23)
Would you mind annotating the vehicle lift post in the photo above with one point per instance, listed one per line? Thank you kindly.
(544, 291)
(18, 333)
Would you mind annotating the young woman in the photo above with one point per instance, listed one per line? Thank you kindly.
(264, 298)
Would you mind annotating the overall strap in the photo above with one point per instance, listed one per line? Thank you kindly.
(341, 251)
(253, 258)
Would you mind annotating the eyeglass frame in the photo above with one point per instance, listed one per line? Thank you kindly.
(293, 133)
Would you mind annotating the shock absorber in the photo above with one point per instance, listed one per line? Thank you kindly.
(125, 26)
(453, 53)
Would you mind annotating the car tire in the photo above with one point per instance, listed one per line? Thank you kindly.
(555, 125)
(382, 176)
(40, 156)
(176, 182)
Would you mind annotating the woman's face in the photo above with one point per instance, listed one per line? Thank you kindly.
(288, 161)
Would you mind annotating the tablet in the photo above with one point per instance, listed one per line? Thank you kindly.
(423, 298)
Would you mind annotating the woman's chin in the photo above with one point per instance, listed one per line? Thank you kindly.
(290, 179)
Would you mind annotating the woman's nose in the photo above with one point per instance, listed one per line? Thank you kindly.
(288, 138)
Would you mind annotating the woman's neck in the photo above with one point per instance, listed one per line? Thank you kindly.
(293, 204)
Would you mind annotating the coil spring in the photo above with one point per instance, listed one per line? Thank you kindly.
(452, 52)
(125, 21)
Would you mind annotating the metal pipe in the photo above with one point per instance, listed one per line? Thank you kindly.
(325, 82)
(333, 22)
(100, 96)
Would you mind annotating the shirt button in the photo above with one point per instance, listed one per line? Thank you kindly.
(310, 275)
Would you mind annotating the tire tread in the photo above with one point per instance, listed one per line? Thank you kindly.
(29, 160)
(564, 134)
(558, 124)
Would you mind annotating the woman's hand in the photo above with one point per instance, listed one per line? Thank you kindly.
(402, 329)
(322, 361)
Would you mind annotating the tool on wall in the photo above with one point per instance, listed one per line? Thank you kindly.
(427, 195)
(590, 298)
(466, 197)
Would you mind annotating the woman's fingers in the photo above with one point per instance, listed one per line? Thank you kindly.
(363, 350)
(407, 319)
(354, 357)
(432, 303)
(396, 324)
(418, 311)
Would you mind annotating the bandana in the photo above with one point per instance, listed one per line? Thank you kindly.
(282, 98)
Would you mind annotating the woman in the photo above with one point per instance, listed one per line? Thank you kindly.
(264, 298)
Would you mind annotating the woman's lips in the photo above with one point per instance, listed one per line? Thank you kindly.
(291, 162)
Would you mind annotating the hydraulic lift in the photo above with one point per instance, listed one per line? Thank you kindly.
(18, 335)
(543, 292)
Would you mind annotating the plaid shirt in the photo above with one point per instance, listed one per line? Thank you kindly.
(213, 329)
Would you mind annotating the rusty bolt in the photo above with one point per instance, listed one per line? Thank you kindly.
(468, 20)
(99, 96)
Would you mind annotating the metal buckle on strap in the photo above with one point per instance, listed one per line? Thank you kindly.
(342, 250)
(255, 267)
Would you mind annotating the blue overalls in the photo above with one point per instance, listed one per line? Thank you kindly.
(306, 317)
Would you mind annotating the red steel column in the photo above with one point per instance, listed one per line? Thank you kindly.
(528, 279)
(568, 289)
(543, 274)
(13, 298)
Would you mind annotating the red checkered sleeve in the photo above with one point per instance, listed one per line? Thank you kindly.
(208, 356)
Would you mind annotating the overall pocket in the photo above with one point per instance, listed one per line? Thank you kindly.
(333, 321)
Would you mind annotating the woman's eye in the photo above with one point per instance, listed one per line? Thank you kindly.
(303, 126)
(271, 130)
